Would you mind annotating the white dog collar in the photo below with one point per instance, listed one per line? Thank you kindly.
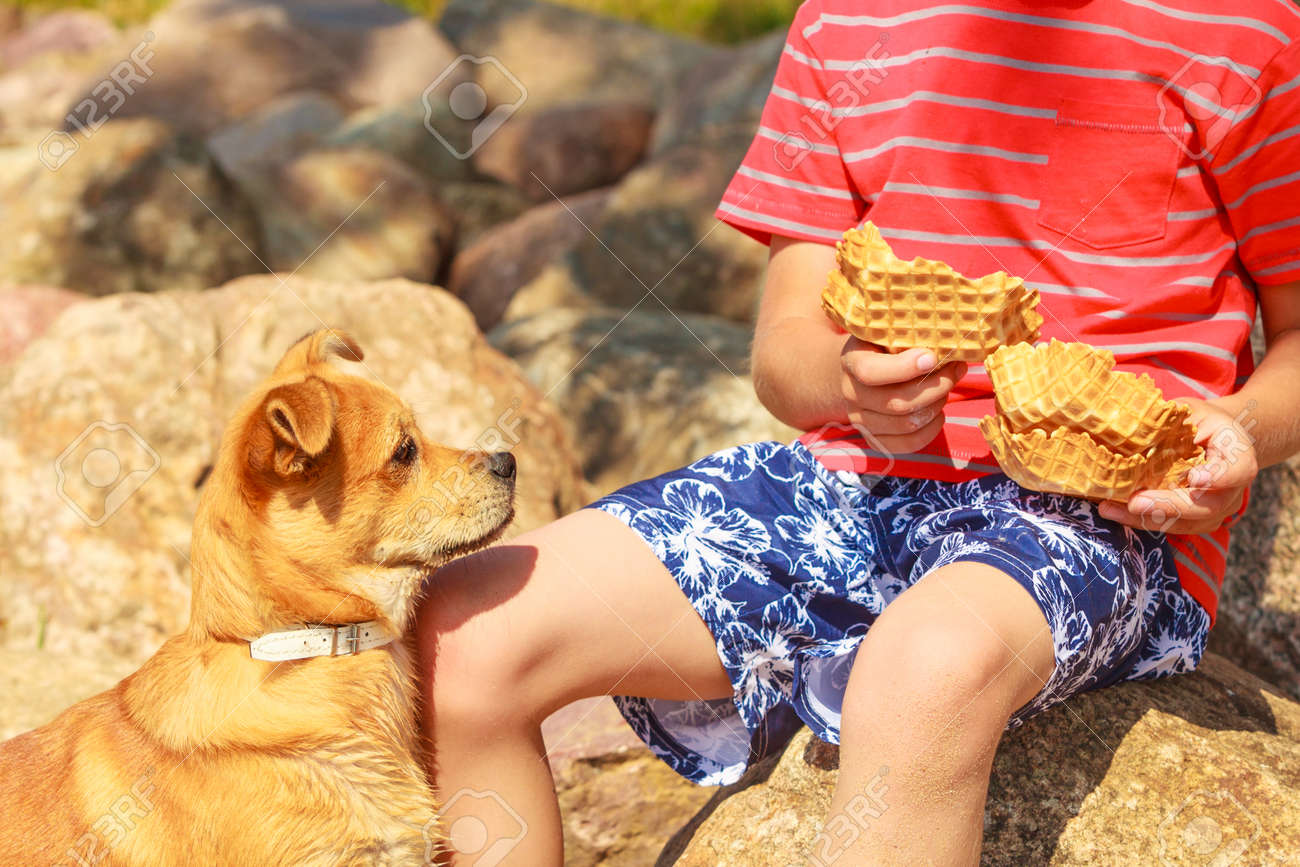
(346, 640)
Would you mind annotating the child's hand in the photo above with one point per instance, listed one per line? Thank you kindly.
(1213, 491)
(898, 398)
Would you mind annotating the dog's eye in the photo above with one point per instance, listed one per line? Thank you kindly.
(406, 451)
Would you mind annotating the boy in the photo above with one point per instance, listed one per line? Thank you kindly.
(879, 580)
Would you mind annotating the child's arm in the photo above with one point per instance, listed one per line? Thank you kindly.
(808, 374)
(1256, 427)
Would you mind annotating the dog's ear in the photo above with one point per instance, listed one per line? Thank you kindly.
(300, 419)
(317, 348)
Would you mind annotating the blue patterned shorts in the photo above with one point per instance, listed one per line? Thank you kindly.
(789, 563)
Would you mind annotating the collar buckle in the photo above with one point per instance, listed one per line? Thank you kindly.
(351, 635)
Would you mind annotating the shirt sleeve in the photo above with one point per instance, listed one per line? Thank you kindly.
(1257, 170)
(793, 180)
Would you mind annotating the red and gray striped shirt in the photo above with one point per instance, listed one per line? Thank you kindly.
(1137, 161)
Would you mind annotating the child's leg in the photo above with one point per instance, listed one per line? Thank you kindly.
(933, 685)
(578, 608)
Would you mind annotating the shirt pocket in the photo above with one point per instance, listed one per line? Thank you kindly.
(1109, 175)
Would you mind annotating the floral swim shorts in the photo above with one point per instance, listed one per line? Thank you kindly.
(789, 563)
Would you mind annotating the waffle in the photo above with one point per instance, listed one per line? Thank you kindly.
(1067, 422)
(898, 305)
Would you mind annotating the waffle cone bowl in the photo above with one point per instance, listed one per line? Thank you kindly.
(898, 305)
(1068, 422)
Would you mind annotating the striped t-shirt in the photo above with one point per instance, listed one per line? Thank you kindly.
(1138, 162)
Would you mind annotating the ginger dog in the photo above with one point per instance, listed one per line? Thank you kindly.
(308, 755)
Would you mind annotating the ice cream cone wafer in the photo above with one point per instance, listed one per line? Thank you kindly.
(898, 305)
(1067, 422)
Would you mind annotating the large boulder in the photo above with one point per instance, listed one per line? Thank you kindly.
(658, 233)
(209, 69)
(400, 131)
(134, 207)
(351, 215)
(274, 135)
(720, 97)
(25, 313)
(646, 391)
(110, 420)
(567, 149)
(39, 685)
(619, 803)
(1259, 615)
(38, 95)
(486, 274)
(1199, 769)
(558, 53)
(66, 31)
(362, 52)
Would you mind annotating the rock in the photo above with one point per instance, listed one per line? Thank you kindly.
(40, 95)
(352, 215)
(558, 53)
(619, 803)
(399, 131)
(479, 206)
(394, 63)
(65, 32)
(567, 149)
(39, 685)
(658, 233)
(1258, 625)
(274, 135)
(646, 393)
(1134, 774)
(486, 274)
(11, 19)
(173, 366)
(217, 69)
(361, 52)
(722, 96)
(134, 207)
(25, 313)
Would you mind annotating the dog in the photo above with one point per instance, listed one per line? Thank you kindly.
(281, 726)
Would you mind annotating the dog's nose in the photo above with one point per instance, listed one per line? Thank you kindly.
(502, 464)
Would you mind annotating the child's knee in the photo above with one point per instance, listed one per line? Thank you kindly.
(936, 669)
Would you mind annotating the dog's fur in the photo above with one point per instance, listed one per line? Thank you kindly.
(207, 756)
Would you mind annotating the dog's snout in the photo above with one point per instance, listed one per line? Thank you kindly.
(502, 464)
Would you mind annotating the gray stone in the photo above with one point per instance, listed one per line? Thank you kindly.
(645, 393)
(134, 207)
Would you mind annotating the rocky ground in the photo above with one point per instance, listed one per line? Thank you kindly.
(181, 200)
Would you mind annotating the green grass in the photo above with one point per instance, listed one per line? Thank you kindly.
(717, 20)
